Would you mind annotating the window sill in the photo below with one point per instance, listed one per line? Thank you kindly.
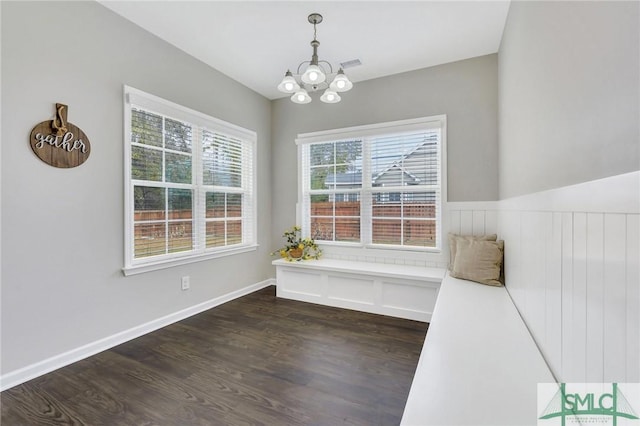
(163, 264)
(382, 247)
(418, 249)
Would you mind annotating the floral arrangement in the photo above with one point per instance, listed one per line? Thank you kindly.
(298, 248)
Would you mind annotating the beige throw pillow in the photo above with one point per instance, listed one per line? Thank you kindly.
(453, 242)
(479, 261)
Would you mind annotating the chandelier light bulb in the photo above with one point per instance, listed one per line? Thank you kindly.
(341, 83)
(313, 75)
(288, 84)
(301, 97)
(330, 97)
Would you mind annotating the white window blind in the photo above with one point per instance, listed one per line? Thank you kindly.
(381, 188)
(189, 184)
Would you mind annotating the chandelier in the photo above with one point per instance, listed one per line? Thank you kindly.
(318, 75)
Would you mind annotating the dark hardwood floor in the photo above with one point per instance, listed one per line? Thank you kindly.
(257, 360)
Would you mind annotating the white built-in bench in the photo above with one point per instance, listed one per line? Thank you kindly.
(397, 290)
(479, 365)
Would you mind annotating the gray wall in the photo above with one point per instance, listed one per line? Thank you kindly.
(62, 254)
(466, 91)
(569, 89)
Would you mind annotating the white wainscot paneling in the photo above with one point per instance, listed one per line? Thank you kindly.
(349, 288)
(614, 318)
(490, 222)
(466, 222)
(304, 283)
(472, 218)
(568, 346)
(454, 221)
(429, 259)
(397, 295)
(477, 222)
(595, 298)
(576, 364)
(633, 299)
(553, 292)
(533, 271)
(387, 289)
(509, 229)
(572, 269)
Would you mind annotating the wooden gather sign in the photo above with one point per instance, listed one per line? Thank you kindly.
(60, 143)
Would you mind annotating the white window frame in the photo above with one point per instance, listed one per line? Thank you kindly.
(362, 133)
(148, 102)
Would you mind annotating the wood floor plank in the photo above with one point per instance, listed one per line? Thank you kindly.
(257, 360)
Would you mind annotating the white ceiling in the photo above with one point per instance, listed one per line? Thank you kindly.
(256, 42)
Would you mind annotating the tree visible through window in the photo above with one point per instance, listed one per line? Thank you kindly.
(190, 182)
(161, 153)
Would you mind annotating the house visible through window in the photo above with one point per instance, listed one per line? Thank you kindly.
(374, 185)
(189, 184)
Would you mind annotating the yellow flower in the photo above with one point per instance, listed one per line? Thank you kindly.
(300, 246)
(283, 253)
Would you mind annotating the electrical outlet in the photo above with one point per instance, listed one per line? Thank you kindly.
(185, 283)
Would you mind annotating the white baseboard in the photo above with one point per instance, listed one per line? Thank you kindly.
(32, 371)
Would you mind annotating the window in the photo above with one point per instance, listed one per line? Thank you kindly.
(377, 185)
(189, 185)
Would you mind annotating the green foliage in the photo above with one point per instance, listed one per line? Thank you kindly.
(309, 249)
(222, 160)
(180, 199)
(148, 198)
(147, 163)
(178, 136)
(146, 128)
